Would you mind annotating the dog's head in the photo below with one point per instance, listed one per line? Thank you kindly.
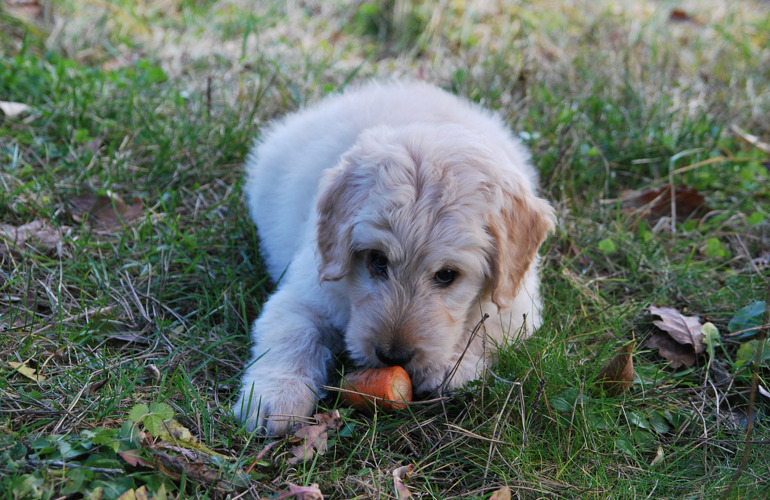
(425, 224)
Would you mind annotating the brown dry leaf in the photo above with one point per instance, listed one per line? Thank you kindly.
(27, 371)
(97, 386)
(399, 475)
(311, 492)
(36, 234)
(617, 377)
(503, 493)
(659, 457)
(677, 354)
(681, 16)
(132, 458)
(104, 212)
(683, 329)
(174, 465)
(25, 9)
(151, 370)
(13, 109)
(313, 438)
(656, 203)
(128, 495)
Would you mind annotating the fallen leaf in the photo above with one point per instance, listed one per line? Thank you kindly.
(313, 438)
(171, 430)
(617, 377)
(119, 331)
(681, 16)
(104, 212)
(13, 109)
(683, 329)
(132, 458)
(311, 492)
(27, 371)
(399, 476)
(152, 370)
(748, 352)
(503, 493)
(128, 495)
(659, 456)
(747, 320)
(740, 418)
(656, 203)
(96, 386)
(29, 10)
(36, 234)
(677, 354)
(174, 466)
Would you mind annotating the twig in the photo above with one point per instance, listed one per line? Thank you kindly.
(208, 97)
(538, 395)
(528, 416)
(454, 369)
(751, 139)
(61, 464)
(261, 454)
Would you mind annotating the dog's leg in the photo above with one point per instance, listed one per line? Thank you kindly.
(290, 362)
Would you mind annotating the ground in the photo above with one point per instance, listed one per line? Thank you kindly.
(130, 272)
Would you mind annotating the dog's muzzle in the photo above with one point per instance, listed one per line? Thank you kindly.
(395, 355)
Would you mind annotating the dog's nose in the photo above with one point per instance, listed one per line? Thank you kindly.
(395, 356)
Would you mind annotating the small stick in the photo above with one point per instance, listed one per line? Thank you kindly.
(453, 371)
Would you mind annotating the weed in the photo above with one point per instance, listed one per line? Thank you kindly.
(122, 342)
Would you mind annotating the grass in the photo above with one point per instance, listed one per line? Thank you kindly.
(140, 317)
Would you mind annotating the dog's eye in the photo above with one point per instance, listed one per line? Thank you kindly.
(378, 263)
(445, 277)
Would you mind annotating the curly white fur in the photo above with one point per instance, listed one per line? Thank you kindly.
(393, 217)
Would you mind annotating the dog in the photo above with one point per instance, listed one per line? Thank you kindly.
(393, 217)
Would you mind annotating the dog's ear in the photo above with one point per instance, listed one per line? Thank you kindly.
(518, 231)
(342, 195)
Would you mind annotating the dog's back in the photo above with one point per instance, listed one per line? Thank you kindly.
(287, 163)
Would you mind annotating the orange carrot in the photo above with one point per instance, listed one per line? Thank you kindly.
(386, 387)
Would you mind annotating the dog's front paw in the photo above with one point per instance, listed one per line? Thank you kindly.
(273, 407)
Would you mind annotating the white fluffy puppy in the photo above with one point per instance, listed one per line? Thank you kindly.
(392, 216)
